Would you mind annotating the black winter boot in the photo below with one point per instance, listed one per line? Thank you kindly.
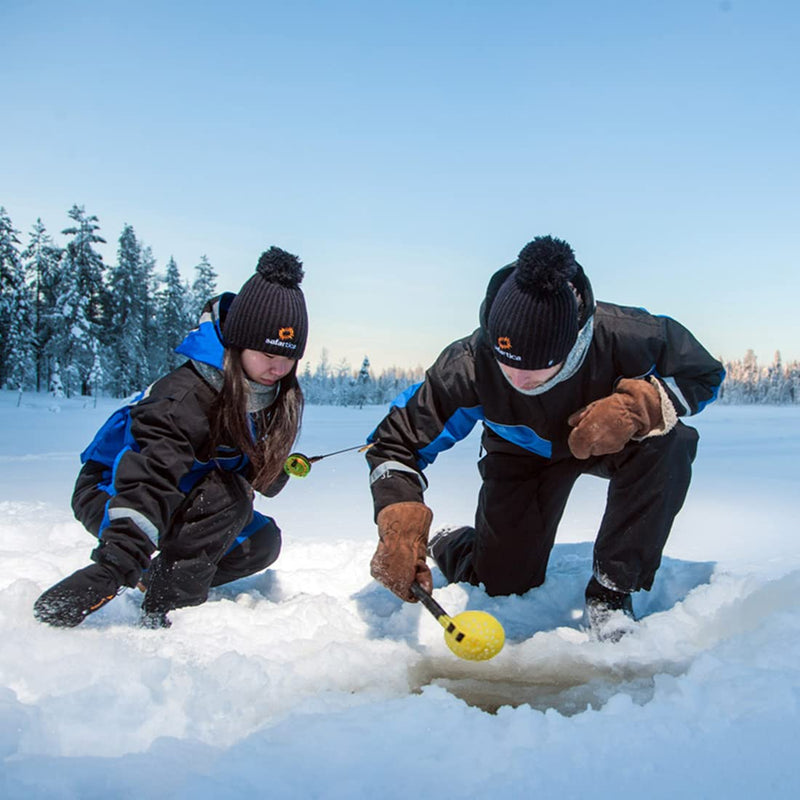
(70, 601)
(609, 614)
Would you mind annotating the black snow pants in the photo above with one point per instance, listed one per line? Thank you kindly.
(214, 537)
(523, 497)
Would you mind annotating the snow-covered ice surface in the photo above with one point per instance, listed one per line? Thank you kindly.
(310, 681)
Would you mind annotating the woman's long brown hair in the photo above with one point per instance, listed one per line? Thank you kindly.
(276, 427)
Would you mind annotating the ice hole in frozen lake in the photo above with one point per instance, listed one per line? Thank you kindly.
(568, 691)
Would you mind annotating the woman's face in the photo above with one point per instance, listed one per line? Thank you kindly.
(265, 368)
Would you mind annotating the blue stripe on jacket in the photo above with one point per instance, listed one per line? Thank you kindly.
(256, 524)
(461, 423)
(456, 428)
(524, 437)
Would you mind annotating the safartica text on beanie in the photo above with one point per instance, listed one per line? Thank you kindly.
(533, 320)
(269, 312)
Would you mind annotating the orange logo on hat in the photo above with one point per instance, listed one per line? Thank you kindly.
(503, 342)
(285, 334)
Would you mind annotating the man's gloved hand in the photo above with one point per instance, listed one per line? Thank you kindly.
(607, 425)
(400, 557)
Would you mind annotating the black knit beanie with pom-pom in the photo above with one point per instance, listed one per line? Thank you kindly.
(269, 313)
(533, 320)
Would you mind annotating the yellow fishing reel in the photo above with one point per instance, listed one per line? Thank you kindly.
(471, 635)
(297, 465)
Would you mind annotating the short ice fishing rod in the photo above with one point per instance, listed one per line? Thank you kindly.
(298, 465)
(471, 635)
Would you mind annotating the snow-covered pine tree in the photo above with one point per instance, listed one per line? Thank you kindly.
(16, 334)
(363, 386)
(20, 342)
(308, 386)
(793, 382)
(778, 390)
(203, 288)
(9, 258)
(41, 258)
(56, 386)
(314, 384)
(96, 375)
(173, 316)
(323, 383)
(750, 377)
(341, 379)
(81, 302)
(126, 356)
(392, 381)
(150, 333)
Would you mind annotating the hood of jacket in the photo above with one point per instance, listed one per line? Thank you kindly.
(204, 343)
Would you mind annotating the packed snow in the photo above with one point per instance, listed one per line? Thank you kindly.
(311, 681)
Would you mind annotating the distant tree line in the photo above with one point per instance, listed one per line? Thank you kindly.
(72, 325)
(338, 385)
(746, 382)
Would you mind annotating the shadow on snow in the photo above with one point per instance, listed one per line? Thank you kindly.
(549, 661)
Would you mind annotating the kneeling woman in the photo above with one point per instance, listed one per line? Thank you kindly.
(173, 473)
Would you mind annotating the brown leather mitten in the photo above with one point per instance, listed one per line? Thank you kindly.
(607, 425)
(400, 557)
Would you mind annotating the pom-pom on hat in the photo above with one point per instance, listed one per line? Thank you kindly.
(533, 320)
(269, 313)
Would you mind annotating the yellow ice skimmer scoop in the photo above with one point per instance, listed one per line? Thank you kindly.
(471, 635)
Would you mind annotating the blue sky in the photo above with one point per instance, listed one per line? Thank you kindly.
(406, 150)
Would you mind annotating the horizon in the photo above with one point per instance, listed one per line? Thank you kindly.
(763, 359)
(107, 251)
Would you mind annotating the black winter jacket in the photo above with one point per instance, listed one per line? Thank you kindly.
(465, 385)
(151, 452)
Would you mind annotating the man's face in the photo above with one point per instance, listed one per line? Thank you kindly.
(527, 379)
